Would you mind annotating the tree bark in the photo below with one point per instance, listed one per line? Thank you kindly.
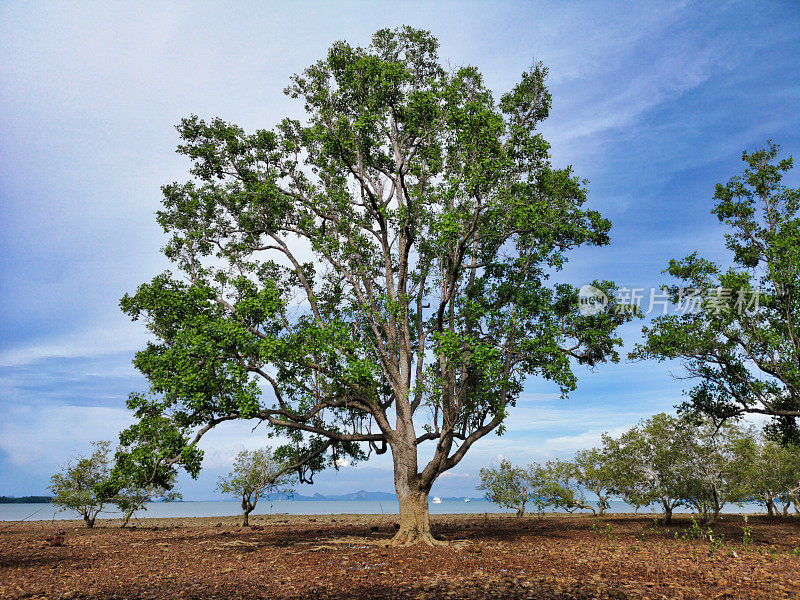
(247, 508)
(667, 514)
(770, 507)
(129, 514)
(89, 521)
(415, 521)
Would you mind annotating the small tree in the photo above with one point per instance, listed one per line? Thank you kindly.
(76, 487)
(132, 498)
(556, 486)
(654, 462)
(788, 474)
(255, 474)
(508, 486)
(774, 474)
(594, 470)
(144, 462)
(721, 460)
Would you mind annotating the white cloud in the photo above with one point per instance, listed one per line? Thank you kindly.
(221, 445)
(454, 475)
(588, 439)
(85, 343)
(42, 438)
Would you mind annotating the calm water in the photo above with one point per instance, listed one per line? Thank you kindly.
(47, 512)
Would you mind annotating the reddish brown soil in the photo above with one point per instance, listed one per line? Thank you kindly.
(345, 557)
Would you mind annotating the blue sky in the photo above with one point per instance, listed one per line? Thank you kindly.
(653, 103)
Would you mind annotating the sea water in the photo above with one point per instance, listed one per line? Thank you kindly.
(162, 510)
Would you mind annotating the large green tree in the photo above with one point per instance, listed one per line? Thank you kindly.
(739, 332)
(375, 276)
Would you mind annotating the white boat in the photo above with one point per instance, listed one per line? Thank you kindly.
(466, 499)
(436, 500)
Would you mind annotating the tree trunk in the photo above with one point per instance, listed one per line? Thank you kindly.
(770, 507)
(89, 521)
(247, 508)
(602, 506)
(129, 514)
(520, 511)
(667, 513)
(412, 492)
(415, 520)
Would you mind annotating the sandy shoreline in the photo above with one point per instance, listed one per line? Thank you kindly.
(338, 557)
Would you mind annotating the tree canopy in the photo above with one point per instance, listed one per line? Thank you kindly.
(76, 486)
(375, 277)
(663, 460)
(255, 474)
(740, 339)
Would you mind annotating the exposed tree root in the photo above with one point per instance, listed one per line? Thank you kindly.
(411, 537)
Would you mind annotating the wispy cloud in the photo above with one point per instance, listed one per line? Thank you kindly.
(653, 103)
(86, 343)
(60, 433)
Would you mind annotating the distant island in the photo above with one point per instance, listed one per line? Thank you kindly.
(26, 500)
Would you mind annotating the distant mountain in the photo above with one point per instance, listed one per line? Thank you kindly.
(360, 495)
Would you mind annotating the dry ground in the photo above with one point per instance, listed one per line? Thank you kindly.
(344, 556)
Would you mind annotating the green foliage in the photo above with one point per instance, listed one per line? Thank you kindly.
(746, 358)
(553, 480)
(255, 474)
(553, 484)
(771, 471)
(720, 457)
(681, 462)
(508, 486)
(75, 488)
(131, 497)
(597, 471)
(652, 465)
(664, 460)
(386, 259)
